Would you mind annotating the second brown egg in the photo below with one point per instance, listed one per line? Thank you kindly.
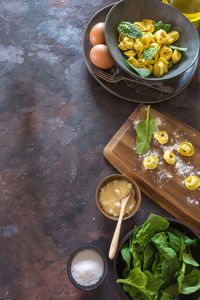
(100, 57)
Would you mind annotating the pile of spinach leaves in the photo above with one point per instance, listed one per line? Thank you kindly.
(159, 263)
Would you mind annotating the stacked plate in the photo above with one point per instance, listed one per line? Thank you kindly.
(134, 92)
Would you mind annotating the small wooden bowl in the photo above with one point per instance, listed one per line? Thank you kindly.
(118, 177)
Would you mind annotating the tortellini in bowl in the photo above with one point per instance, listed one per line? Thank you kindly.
(165, 56)
(145, 15)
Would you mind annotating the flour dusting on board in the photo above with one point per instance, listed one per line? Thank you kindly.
(158, 124)
(192, 201)
(164, 172)
(183, 168)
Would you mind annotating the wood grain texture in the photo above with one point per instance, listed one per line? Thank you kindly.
(165, 184)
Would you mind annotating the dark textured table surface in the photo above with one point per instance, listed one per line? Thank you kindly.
(55, 120)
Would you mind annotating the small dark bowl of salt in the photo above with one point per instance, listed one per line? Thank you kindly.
(87, 267)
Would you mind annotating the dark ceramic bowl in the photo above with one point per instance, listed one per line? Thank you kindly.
(137, 10)
(119, 263)
(73, 281)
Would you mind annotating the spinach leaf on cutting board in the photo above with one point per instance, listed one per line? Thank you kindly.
(145, 130)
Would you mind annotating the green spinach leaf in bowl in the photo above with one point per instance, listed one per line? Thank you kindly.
(159, 263)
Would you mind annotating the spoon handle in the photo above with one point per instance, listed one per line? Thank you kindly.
(115, 239)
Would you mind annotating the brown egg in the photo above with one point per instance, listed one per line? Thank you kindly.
(100, 57)
(97, 34)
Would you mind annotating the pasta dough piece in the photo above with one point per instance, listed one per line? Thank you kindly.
(146, 40)
(141, 63)
(150, 28)
(166, 52)
(138, 63)
(154, 59)
(150, 162)
(128, 42)
(122, 46)
(192, 182)
(159, 69)
(172, 37)
(140, 25)
(176, 56)
(149, 67)
(161, 137)
(138, 46)
(170, 40)
(161, 36)
(169, 157)
(130, 53)
(186, 149)
(121, 37)
(163, 59)
(148, 22)
(155, 45)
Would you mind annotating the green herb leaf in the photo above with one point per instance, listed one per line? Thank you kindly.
(136, 278)
(170, 64)
(156, 266)
(188, 259)
(145, 130)
(172, 290)
(135, 250)
(167, 27)
(149, 53)
(126, 254)
(131, 290)
(166, 296)
(141, 71)
(178, 48)
(153, 284)
(160, 25)
(189, 283)
(159, 269)
(149, 254)
(169, 259)
(130, 30)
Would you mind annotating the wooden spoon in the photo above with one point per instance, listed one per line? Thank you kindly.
(115, 239)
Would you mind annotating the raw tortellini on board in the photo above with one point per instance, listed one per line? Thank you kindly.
(134, 48)
(161, 137)
(186, 149)
(150, 162)
(169, 157)
(192, 182)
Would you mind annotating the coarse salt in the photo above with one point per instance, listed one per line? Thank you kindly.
(87, 267)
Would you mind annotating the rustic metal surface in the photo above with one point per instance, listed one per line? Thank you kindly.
(55, 120)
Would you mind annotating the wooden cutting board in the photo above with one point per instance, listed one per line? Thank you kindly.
(165, 184)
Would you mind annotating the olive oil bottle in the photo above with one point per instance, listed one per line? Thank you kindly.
(190, 9)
